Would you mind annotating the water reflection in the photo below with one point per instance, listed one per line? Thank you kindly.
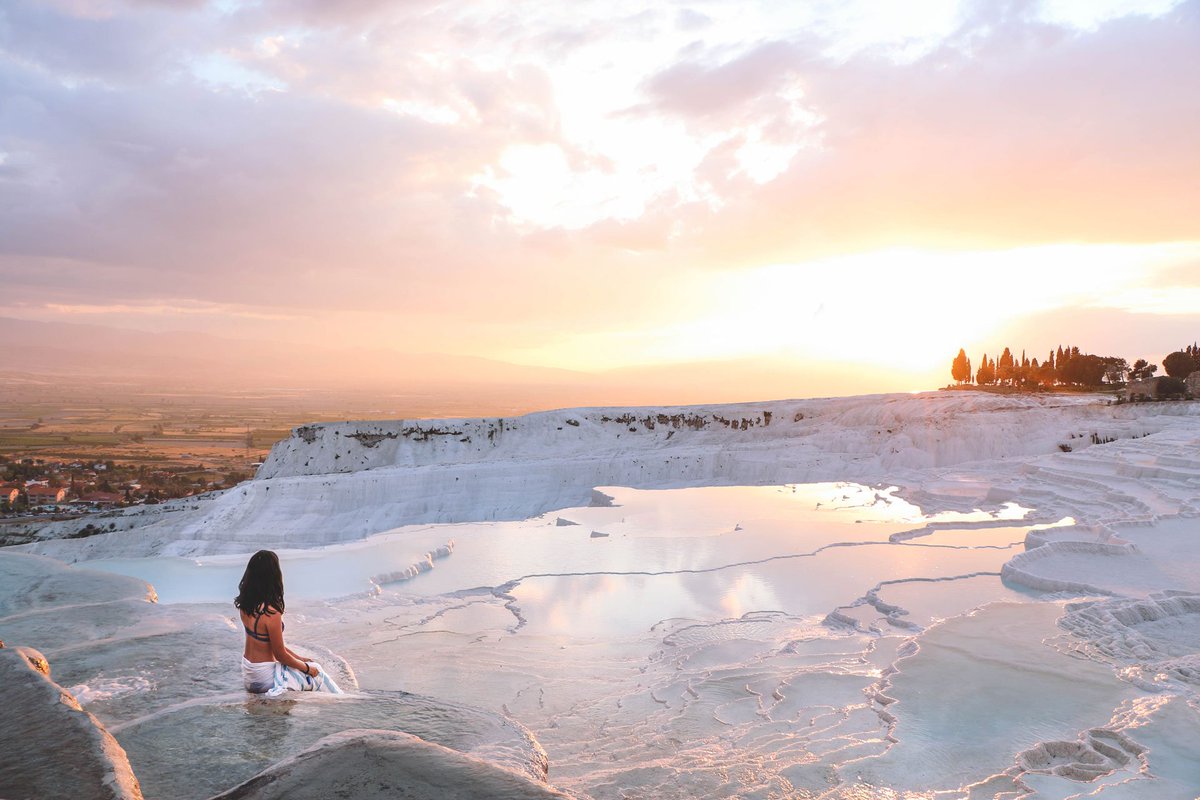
(718, 525)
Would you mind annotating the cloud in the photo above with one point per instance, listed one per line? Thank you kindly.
(110, 43)
(282, 196)
(698, 90)
(1012, 132)
(1186, 275)
(359, 162)
(161, 309)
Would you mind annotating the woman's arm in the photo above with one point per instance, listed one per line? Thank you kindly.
(293, 654)
(274, 625)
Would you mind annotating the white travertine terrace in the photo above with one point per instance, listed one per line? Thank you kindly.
(957, 595)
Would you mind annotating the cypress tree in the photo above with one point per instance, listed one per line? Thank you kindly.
(1004, 370)
(981, 377)
(960, 369)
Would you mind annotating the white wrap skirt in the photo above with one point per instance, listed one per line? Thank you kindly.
(273, 679)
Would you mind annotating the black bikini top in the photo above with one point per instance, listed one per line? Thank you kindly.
(264, 636)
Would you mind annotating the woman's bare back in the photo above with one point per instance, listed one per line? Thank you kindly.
(258, 634)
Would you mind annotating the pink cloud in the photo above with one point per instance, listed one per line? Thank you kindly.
(142, 182)
(1015, 135)
(697, 90)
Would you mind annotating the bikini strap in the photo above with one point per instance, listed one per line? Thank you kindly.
(254, 634)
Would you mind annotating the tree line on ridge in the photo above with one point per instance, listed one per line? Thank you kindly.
(1068, 367)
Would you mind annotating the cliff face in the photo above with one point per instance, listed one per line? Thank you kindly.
(352, 446)
(922, 430)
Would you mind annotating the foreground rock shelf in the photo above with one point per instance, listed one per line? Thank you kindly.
(52, 747)
(958, 607)
(378, 764)
(201, 749)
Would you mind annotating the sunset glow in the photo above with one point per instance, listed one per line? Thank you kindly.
(917, 296)
(598, 186)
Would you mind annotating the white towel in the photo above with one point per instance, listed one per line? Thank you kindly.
(273, 679)
(258, 677)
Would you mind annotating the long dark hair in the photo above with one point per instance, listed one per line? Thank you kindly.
(261, 589)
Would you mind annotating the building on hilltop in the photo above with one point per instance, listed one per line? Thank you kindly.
(1162, 387)
(1143, 390)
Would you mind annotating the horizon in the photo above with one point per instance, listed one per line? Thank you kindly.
(820, 200)
(48, 357)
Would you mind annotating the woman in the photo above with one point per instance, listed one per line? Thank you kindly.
(268, 666)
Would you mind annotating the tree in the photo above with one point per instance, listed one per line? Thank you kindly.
(1193, 350)
(1115, 369)
(1170, 387)
(1179, 364)
(1083, 369)
(1004, 369)
(986, 373)
(960, 370)
(1023, 371)
(1141, 371)
(1045, 373)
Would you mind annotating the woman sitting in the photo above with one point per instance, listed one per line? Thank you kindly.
(268, 666)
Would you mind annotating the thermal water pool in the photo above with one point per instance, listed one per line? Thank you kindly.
(816, 640)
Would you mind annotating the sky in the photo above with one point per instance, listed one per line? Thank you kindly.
(833, 186)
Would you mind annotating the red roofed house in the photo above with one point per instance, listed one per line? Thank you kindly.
(103, 498)
(45, 495)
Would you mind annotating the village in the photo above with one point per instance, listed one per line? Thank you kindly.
(34, 486)
(78, 447)
(69, 450)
